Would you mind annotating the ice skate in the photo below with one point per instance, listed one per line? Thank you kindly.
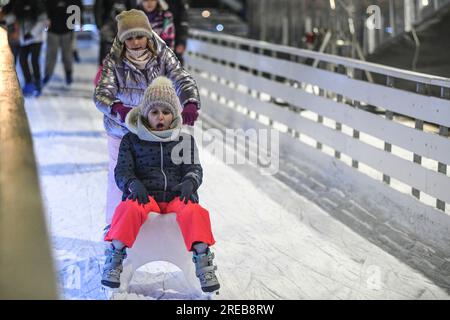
(113, 267)
(205, 271)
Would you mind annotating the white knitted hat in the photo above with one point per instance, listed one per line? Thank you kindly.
(160, 92)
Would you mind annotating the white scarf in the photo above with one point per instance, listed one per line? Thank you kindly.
(138, 57)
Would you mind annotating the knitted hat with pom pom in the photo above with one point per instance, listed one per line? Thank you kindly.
(160, 93)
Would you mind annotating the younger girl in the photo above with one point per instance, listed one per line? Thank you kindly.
(155, 178)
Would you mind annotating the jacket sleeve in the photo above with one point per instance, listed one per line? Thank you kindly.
(193, 169)
(106, 89)
(124, 172)
(185, 85)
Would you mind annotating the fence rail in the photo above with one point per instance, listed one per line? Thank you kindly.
(229, 42)
(406, 140)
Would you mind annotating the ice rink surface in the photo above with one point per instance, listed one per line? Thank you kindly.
(264, 250)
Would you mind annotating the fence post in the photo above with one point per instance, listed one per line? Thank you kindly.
(389, 116)
(420, 88)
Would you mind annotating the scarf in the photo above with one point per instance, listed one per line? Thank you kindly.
(138, 57)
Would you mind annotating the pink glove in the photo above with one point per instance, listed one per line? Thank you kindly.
(189, 113)
(121, 110)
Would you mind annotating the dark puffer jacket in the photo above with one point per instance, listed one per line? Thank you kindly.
(153, 163)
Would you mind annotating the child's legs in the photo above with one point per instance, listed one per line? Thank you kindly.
(24, 52)
(194, 222)
(128, 220)
(113, 195)
(35, 55)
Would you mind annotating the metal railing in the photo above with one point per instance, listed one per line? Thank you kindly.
(26, 267)
(266, 19)
(405, 143)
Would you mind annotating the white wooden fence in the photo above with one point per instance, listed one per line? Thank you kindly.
(405, 144)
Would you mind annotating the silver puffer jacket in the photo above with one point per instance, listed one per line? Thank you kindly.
(122, 81)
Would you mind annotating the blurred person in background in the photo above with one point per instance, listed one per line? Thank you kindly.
(32, 19)
(60, 35)
(160, 19)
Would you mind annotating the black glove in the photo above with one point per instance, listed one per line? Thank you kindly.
(28, 36)
(186, 189)
(138, 192)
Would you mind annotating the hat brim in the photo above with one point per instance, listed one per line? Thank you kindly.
(135, 32)
(145, 110)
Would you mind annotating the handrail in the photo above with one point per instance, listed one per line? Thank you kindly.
(26, 267)
(347, 62)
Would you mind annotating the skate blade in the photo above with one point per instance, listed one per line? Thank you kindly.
(109, 292)
(211, 295)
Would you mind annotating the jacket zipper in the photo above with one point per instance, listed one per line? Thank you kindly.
(138, 70)
(162, 170)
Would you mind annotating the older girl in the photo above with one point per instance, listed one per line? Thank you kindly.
(137, 57)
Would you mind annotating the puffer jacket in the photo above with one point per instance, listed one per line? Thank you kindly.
(151, 160)
(122, 81)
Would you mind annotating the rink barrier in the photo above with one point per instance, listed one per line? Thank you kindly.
(398, 135)
(26, 267)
